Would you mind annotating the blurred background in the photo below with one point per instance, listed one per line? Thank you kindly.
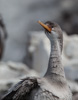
(24, 48)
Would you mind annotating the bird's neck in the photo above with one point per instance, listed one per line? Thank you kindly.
(55, 67)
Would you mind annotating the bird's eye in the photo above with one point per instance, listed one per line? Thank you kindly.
(52, 26)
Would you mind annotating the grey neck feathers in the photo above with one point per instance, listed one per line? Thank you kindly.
(55, 67)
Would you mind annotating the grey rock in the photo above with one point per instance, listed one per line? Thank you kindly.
(11, 73)
(39, 49)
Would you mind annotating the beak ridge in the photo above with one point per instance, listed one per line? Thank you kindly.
(45, 26)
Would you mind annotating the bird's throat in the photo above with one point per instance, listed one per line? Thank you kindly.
(55, 62)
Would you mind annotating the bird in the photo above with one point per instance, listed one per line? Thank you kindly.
(3, 36)
(53, 85)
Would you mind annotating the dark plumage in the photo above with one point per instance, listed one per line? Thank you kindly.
(3, 36)
(22, 89)
(53, 86)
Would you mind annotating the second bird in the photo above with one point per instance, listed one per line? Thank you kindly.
(3, 35)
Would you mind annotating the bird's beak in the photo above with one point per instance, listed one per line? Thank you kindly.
(45, 26)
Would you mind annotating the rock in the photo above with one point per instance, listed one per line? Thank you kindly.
(39, 49)
(71, 73)
(73, 85)
(70, 56)
(11, 73)
(13, 70)
(74, 88)
(70, 46)
(69, 17)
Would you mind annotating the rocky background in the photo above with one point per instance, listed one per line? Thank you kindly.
(27, 49)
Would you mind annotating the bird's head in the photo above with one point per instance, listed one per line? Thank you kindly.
(52, 30)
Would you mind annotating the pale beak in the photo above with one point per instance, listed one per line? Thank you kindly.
(45, 26)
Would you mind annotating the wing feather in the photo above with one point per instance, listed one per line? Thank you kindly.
(21, 89)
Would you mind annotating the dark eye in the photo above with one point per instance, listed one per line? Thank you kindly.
(52, 26)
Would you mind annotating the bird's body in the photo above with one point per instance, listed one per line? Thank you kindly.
(38, 89)
(53, 86)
